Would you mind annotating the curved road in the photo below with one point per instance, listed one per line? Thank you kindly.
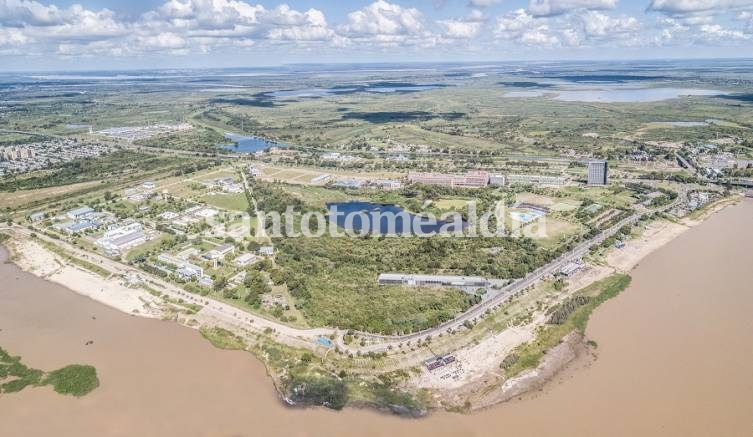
(301, 337)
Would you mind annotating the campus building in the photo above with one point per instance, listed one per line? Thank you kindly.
(598, 172)
(542, 180)
(122, 238)
(79, 213)
(184, 269)
(474, 179)
(431, 280)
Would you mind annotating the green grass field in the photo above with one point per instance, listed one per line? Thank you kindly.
(232, 202)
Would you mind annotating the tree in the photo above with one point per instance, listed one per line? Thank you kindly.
(220, 283)
(230, 293)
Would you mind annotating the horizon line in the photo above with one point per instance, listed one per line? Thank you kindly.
(427, 62)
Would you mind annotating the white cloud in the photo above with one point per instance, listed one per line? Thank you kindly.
(482, 3)
(12, 37)
(464, 28)
(383, 18)
(544, 8)
(521, 26)
(714, 32)
(460, 29)
(596, 24)
(681, 7)
(178, 27)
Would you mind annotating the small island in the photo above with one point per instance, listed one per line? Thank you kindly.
(75, 380)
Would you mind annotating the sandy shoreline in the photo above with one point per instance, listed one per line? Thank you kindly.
(479, 360)
(35, 259)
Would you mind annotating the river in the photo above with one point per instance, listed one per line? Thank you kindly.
(674, 358)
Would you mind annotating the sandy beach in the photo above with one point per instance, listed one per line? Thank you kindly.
(112, 292)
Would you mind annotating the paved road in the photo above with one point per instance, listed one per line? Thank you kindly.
(306, 337)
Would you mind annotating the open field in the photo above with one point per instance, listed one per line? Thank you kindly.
(19, 198)
(233, 202)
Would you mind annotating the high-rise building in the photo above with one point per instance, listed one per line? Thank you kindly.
(598, 172)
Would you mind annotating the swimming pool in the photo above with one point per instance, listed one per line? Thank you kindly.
(526, 217)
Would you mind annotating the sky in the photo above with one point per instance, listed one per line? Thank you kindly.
(110, 34)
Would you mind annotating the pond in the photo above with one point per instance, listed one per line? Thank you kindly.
(631, 95)
(250, 144)
(683, 123)
(377, 88)
(523, 94)
(387, 219)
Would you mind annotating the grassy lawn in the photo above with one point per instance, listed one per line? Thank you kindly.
(316, 197)
(451, 204)
(608, 196)
(146, 247)
(556, 230)
(233, 202)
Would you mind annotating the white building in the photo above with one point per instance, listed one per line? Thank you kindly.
(206, 213)
(498, 180)
(543, 180)
(388, 184)
(245, 259)
(123, 238)
(184, 269)
(254, 171)
(79, 213)
(168, 215)
(431, 280)
(598, 172)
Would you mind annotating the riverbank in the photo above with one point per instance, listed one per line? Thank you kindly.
(474, 381)
(37, 260)
(648, 377)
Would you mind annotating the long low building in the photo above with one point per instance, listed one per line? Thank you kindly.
(474, 179)
(123, 238)
(183, 268)
(544, 180)
(431, 280)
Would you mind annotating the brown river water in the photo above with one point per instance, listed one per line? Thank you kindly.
(674, 358)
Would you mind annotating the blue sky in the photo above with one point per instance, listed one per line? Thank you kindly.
(64, 34)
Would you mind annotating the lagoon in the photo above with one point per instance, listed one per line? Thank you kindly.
(630, 95)
(377, 218)
(250, 144)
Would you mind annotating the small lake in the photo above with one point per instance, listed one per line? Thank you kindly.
(386, 219)
(631, 95)
(252, 144)
(523, 94)
(401, 89)
(312, 93)
(683, 123)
